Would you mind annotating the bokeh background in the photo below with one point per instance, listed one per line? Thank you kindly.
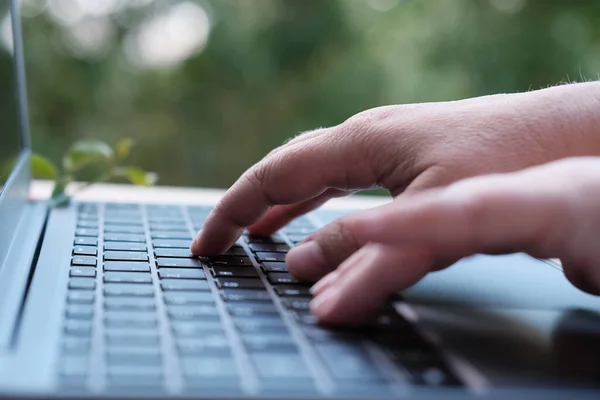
(206, 88)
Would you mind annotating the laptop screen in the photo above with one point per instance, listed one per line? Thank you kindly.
(10, 142)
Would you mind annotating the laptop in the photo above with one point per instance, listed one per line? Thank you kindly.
(104, 300)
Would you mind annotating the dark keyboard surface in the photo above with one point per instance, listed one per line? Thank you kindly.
(145, 316)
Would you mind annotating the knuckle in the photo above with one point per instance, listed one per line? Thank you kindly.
(337, 241)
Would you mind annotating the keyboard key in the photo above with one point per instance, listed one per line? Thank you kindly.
(187, 298)
(124, 237)
(80, 297)
(86, 232)
(183, 284)
(276, 343)
(280, 257)
(124, 229)
(79, 328)
(290, 291)
(86, 241)
(209, 368)
(123, 319)
(127, 378)
(282, 277)
(80, 311)
(125, 256)
(297, 237)
(260, 324)
(181, 273)
(125, 246)
(298, 304)
(133, 356)
(84, 260)
(179, 262)
(196, 329)
(82, 283)
(127, 266)
(207, 345)
(120, 289)
(347, 362)
(76, 345)
(433, 373)
(321, 334)
(171, 243)
(252, 309)
(127, 277)
(239, 283)
(238, 272)
(181, 227)
(131, 337)
(116, 219)
(268, 247)
(230, 261)
(274, 267)
(85, 250)
(280, 366)
(89, 272)
(171, 252)
(129, 303)
(87, 223)
(171, 235)
(76, 365)
(191, 313)
(265, 239)
(245, 295)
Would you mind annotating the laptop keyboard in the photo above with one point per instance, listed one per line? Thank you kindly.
(144, 315)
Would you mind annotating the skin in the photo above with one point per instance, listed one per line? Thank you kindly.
(494, 174)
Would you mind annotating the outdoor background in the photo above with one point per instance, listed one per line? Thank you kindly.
(206, 88)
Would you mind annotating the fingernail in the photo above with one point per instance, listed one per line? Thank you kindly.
(325, 302)
(324, 283)
(308, 253)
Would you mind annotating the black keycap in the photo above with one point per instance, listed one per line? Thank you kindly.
(261, 324)
(178, 253)
(124, 237)
(236, 272)
(209, 368)
(80, 297)
(171, 235)
(172, 243)
(127, 266)
(280, 366)
(264, 247)
(282, 277)
(84, 260)
(122, 289)
(434, 374)
(179, 262)
(123, 229)
(252, 309)
(74, 327)
(239, 283)
(194, 312)
(131, 337)
(181, 273)
(187, 298)
(274, 266)
(347, 362)
(196, 329)
(86, 241)
(80, 311)
(125, 246)
(235, 252)
(129, 303)
(116, 220)
(125, 376)
(85, 250)
(290, 291)
(235, 295)
(127, 277)
(82, 283)
(183, 284)
(130, 319)
(305, 318)
(89, 272)
(86, 232)
(264, 239)
(294, 303)
(321, 334)
(125, 256)
(169, 227)
(207, 345)
(270, 256)
(269, 343)
(87, 223)
(230, 261)
(134, 357)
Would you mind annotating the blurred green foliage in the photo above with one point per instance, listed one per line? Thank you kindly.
(273, 68)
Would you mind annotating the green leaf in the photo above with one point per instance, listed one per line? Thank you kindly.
(87, 152)
(123, 147)
(42, 168)
(59, 197)
(135, 175)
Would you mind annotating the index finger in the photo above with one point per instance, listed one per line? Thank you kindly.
(297, 173)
